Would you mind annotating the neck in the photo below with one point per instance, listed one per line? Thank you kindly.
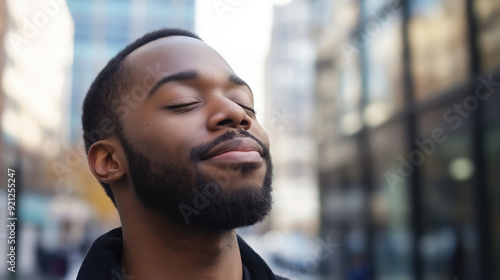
(154, 248)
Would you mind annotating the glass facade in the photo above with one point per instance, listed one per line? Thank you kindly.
(492, 148)
(449, 240)
(383, 64)
(389, 206)
(438, 40)
(488, 24)
(408, 139)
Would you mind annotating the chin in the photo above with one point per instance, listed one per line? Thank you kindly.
(235, 175)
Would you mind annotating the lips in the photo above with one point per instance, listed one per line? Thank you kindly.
(232, 147)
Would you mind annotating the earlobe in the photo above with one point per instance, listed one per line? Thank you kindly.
(105, 161)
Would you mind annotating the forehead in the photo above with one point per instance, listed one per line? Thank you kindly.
(176, 54)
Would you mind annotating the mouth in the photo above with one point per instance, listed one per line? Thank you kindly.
(236, 150)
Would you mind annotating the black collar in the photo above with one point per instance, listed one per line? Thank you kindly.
(103, 260)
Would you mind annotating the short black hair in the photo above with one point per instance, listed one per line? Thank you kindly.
(99, 114)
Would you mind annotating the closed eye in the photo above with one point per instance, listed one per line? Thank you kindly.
(182, 105)
(248, 108)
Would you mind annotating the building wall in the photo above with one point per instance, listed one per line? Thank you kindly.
(36, 44)
(35, 82)
(289, 104)
(3, 27)
(3, 176)
(408, 138)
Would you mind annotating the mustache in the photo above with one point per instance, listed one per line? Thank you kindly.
(198, 152)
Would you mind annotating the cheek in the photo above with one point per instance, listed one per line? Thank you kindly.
(161, 137)
(260, 134)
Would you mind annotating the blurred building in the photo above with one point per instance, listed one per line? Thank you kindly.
(35, 72)
(407, 119)
(3, 29)
(3, 177)
(35, 82)
(289, 115)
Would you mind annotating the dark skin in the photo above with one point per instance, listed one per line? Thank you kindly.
(175, 117)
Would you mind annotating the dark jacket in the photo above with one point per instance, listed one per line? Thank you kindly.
(103, 261)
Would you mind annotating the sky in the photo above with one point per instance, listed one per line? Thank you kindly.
(240, 30)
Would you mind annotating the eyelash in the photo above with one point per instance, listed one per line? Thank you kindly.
(179, 106)
(249, 109)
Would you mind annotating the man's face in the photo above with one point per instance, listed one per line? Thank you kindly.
(196, 152)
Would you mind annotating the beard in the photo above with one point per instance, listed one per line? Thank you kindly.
(189, 197)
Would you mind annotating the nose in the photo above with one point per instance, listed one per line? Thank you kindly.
(227, 113)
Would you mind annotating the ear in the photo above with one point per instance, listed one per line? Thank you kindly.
(107, 160)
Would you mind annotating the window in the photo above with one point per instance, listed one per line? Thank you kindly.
(488, 25)
(438, 41)
(390, 204)
(449, 241)
(354, 234)
(492, 156)
(348, 94)
(384, 90)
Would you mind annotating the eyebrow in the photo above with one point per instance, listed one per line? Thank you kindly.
(239, 81)
(177, 77)
(193, 75)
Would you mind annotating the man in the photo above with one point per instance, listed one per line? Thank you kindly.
(171, 134)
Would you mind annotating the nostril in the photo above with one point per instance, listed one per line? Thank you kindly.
(244, 122)
(224, 122)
